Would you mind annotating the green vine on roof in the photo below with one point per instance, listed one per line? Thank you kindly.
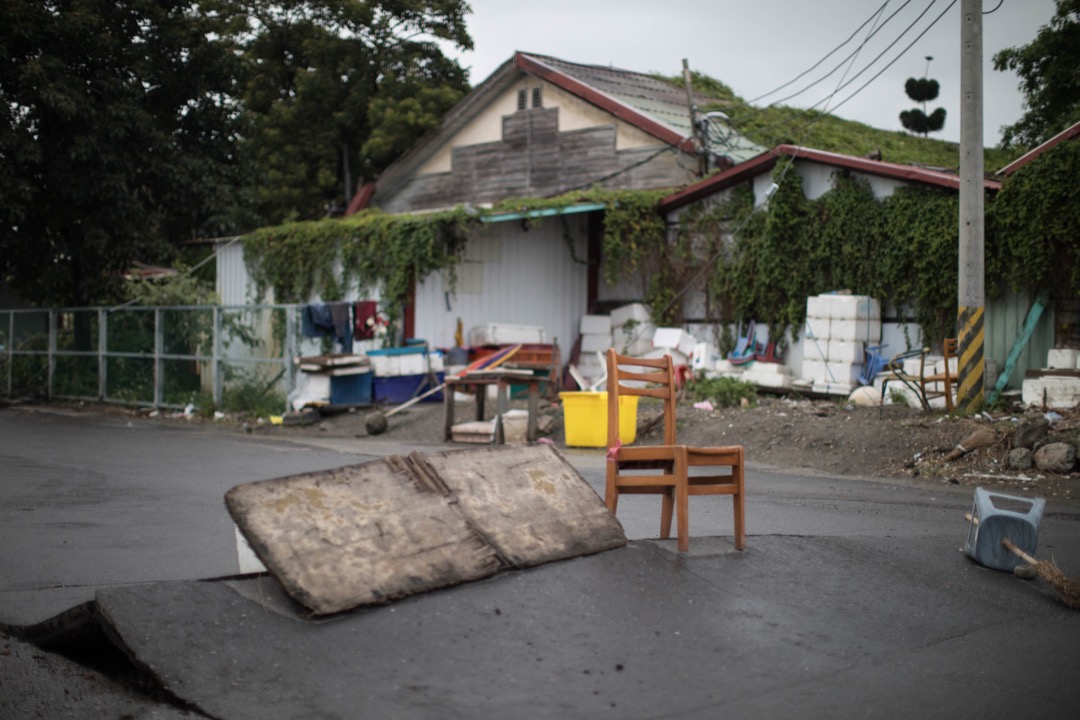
(375, 251)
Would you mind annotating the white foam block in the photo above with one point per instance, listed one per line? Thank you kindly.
(591, 343)
(855, 307)
(1061, 359)
(1055, 392)
(819, 306)
(595, 325)
(846, 351)
(855, 330)
(634, 311)
(844, 373)
(814, 371)
(674, 339)
(818, 328)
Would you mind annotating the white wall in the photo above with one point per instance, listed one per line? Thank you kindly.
(511, 276)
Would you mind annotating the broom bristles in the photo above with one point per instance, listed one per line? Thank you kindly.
(1068, 588)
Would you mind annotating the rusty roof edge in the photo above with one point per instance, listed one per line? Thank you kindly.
(531, 64)
(765, 161)
(1067, 134)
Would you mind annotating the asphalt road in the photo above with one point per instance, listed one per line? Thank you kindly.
(853, 599)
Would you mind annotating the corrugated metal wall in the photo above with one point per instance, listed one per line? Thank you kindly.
(1003, 320)
(232, 276)
(511, 276)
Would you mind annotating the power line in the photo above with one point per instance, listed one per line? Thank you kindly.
(823, 59)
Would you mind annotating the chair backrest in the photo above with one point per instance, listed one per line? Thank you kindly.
(647, 377)
(948, 349)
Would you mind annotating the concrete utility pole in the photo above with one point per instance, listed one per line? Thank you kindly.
(971, 296)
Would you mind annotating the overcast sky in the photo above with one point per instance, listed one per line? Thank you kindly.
(754, 46)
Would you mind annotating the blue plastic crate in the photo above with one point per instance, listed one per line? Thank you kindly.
(351, 389)
(397, 389)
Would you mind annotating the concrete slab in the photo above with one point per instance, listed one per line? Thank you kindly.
(638, 632)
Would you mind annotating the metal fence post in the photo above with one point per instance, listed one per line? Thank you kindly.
(290, 344)
(218, 384)
(103, 349)
(52, 355)
(159, 350)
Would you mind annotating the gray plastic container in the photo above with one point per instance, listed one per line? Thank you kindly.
(996, 516)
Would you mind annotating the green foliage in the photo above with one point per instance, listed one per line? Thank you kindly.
(721, 391)
(1048, 78)
(901, 250)
(1034, 223)
(336, 84)
(117, 139)
(772, 125)
(376, 250)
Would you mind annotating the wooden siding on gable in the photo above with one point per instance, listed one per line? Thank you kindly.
(534, 159)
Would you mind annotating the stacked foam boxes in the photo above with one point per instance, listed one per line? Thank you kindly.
(1055, 391)
(632, 329)
(838, 328)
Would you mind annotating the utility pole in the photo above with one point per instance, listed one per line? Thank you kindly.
(971, 296)
(695, 130)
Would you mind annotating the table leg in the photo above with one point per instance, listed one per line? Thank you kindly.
(534, 408)
(448, 404)
(501, 396)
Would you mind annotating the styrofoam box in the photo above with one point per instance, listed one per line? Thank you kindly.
(768, 368)
(846, 351)
(633, 340)
(437, 360)
(595, 324)
(767, 379)
(677, 357)
(939, 366)
(855, 307)
(852, 330)
(500, 334)
(814, 370)
(674, 339)
(725, 367)
(818, 327)
(911, 366)
(634, 311)
(591, 342)
(387, 365)
(702, 356)
(413, 364)
(1061, 359)
(1058, 392)
(635, 348)
(844, 373)
(819, 306)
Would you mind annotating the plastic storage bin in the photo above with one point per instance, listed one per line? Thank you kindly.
(352, 388)
(397, 389)
(585, 418)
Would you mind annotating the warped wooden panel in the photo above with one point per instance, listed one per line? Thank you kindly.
(358, 534)
(527, 501)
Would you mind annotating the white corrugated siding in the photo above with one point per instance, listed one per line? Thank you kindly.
(511, 276)
(234, 285)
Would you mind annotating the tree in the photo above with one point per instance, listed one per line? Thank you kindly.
(1049, 70)
(338, 89)
(922, 90)
(117, 140)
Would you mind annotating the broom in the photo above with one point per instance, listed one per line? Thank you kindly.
(1068, 588)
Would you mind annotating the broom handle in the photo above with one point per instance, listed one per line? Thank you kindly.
(1009, 544)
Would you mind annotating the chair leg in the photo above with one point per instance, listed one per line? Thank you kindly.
(667, 507)
(682, 499)
(611, 493)
(739, 502)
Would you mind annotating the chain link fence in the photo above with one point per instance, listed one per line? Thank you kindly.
(231, 357)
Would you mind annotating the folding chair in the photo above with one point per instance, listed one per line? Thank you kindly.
(666, 469)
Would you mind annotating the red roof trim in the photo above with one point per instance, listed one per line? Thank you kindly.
(658, 130)
(1066, 134)
(764, 162)
(361, 199)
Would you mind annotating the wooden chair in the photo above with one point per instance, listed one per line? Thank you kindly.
(666, 469)
(924, 386)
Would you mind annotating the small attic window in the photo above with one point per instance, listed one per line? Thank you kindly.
(523, 97)
(536, 97)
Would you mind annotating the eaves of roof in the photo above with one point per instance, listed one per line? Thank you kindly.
(1066, 134)
(764, 162)
(536, 66)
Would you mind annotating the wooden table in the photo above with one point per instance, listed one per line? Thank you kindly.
(477, 383)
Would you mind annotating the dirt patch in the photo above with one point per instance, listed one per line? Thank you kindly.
(792, 435)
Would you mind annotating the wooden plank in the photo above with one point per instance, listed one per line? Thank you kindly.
(357, 535)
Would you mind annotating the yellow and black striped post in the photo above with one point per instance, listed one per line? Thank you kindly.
(969, 350)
